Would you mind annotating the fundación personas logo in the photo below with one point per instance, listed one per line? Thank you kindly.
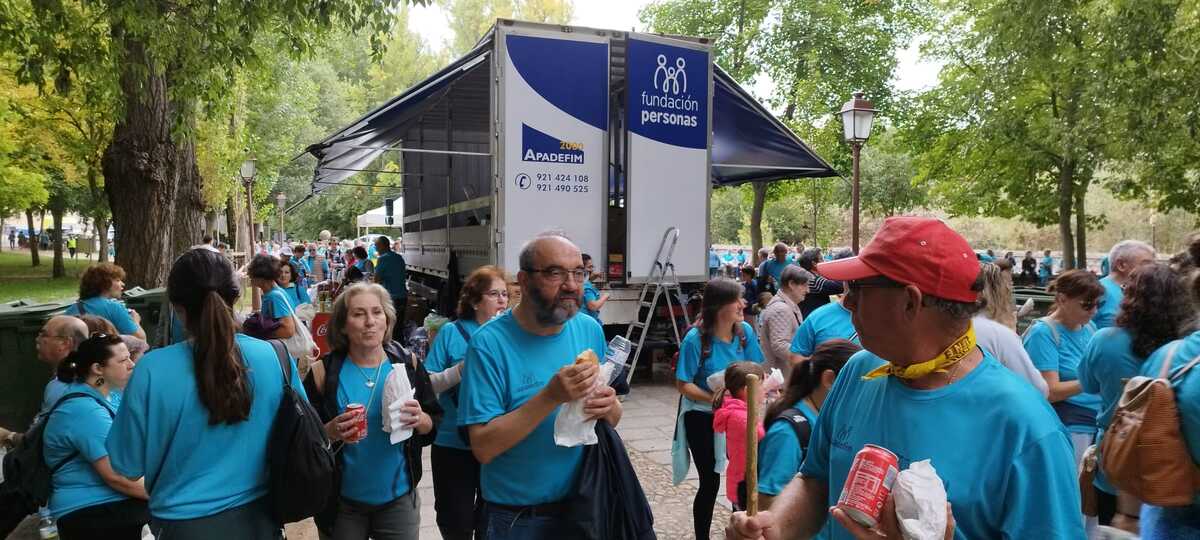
(675, 106)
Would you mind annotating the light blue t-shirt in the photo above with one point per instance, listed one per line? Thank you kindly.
(1062, 355)
(1046, 267)
(714, 260)
(1019, 480)
(507, 366)
(1108, 362)
(775, 268)
(830, 321)
(1110, 303)
(295, 294)
(77, 431)
(780, 454)
(1187, 389)
(275, 303)
(590, 294)
(373, 470)
(54, 390)
(109, 309)
(193, 469)
(448, 350)
(691, 369)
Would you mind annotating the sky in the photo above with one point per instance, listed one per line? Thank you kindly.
(430, 22)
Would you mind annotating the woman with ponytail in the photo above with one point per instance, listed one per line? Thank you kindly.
(197, 415)
(87, 497)
(720, 338)
(782, 451)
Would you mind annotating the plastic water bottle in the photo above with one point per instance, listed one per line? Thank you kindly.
(47, 527)
(617, 353)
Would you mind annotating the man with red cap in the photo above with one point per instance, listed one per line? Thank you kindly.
(924, 390)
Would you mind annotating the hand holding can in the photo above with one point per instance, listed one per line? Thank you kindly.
(361, 421)
(869, 484)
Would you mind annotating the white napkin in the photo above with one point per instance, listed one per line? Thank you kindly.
(920, 502)
(773, 386)
(396, 391)
(571, 426)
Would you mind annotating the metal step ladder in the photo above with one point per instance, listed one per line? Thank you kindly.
(665, 284)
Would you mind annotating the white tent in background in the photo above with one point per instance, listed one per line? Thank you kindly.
(377, 217)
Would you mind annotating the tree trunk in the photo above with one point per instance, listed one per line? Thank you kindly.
(58, 270)
(33, 241)
(231, 223)
(1081, 225)
(151, 180)
(1066, 200)
(756, 215)
(100, 218)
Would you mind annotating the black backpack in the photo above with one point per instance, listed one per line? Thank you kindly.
(27, 477)
(300, 460)
(801, 427)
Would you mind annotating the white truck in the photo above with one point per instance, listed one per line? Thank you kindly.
(612, 137)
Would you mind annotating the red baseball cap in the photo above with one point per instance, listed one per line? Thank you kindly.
(919, 251)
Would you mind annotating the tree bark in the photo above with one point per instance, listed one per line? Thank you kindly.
(231, 222)
(151, 180)
(1081, 224)
(1066, 200)
(57, 269)
(100, 218)
(756, 215)
(33, 242)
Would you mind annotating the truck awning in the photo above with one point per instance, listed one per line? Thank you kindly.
(749, 143)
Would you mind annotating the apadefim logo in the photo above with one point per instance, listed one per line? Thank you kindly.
(542, 148)
(675, 101)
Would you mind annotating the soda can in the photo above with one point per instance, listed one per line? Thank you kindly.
(362, 420)
(869, 483)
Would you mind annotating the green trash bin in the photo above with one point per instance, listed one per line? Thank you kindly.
(15, 304)
(25, 377)
(149, 304)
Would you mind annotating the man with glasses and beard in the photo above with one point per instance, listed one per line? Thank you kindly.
(520, 367)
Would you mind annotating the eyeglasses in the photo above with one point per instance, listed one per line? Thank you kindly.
(495, 294)
(558, 274)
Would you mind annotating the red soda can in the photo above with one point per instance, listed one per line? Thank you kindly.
(361, 411)
(867, 486)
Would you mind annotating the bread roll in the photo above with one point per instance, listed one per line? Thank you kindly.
(587, 357)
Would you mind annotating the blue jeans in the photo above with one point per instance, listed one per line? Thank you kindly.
(503, 524)
(1175, 523)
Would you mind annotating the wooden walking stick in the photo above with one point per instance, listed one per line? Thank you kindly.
(753, 396)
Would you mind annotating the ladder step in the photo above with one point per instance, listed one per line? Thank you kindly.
(638, 324)
(645, 304)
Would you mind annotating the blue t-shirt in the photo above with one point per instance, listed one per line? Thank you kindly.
(54, 389)
(109, 309)
(830, 321)
(1062, 355)
(392, 273)
(1108, 362)
(1005, 459)
(276, 304)
(296, 295)
(1110, 303)
(691, 369)
(448, 349)
(1187, 389)
(774, 268)
(193, 469)
(373, 469)
(714, 260)
(1104, 266)
(1047, 266)
(780, 454)
(74, 437)
(590, 294)
(740, 257)
(506, 366)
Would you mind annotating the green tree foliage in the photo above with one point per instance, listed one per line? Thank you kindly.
(727, 213)
(887, 185)
(21, 182)
(470, 19)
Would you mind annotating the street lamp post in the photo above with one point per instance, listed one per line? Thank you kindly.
(247, 173)
(857, 117)
(281, 201)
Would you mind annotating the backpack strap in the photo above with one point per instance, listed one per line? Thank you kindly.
(62, 400)
(800, 425)
(79, 306)
(462, 331)
(284, 363)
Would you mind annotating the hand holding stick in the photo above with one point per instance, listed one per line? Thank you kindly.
(753, 400)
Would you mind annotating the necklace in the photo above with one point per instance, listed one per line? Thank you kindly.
(370, 381)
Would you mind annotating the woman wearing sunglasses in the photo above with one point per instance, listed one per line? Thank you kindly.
(1056, 344)
(456, 492)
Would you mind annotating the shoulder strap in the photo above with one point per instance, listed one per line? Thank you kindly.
(284, 364)
(1166, 365)
(79, 306)
(62, 400)
(462, 331)
(800, 425)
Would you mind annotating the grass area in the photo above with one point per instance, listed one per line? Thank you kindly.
(20, 281)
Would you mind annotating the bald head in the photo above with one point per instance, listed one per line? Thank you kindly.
(548, 245)
(60, 335)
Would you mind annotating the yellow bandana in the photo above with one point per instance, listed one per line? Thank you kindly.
(955, 352)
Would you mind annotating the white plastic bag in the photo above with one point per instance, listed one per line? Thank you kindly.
(920, 500)
(716, 382)
(773, 386)
(397, 390)
(571, 426)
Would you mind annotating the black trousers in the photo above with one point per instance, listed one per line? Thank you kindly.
(699, 427)
(457, 497)
(401, 305)
(117, 520)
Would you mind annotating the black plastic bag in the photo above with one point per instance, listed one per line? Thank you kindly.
(607, 502)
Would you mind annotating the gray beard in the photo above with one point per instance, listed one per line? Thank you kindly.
(550, 313)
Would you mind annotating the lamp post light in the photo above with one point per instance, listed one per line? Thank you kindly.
(857, 117)
(281, 202)
(247, 172)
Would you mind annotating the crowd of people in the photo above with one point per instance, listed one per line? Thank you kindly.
(911, 345)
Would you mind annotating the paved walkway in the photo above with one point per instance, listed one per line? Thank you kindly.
(647, 427)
